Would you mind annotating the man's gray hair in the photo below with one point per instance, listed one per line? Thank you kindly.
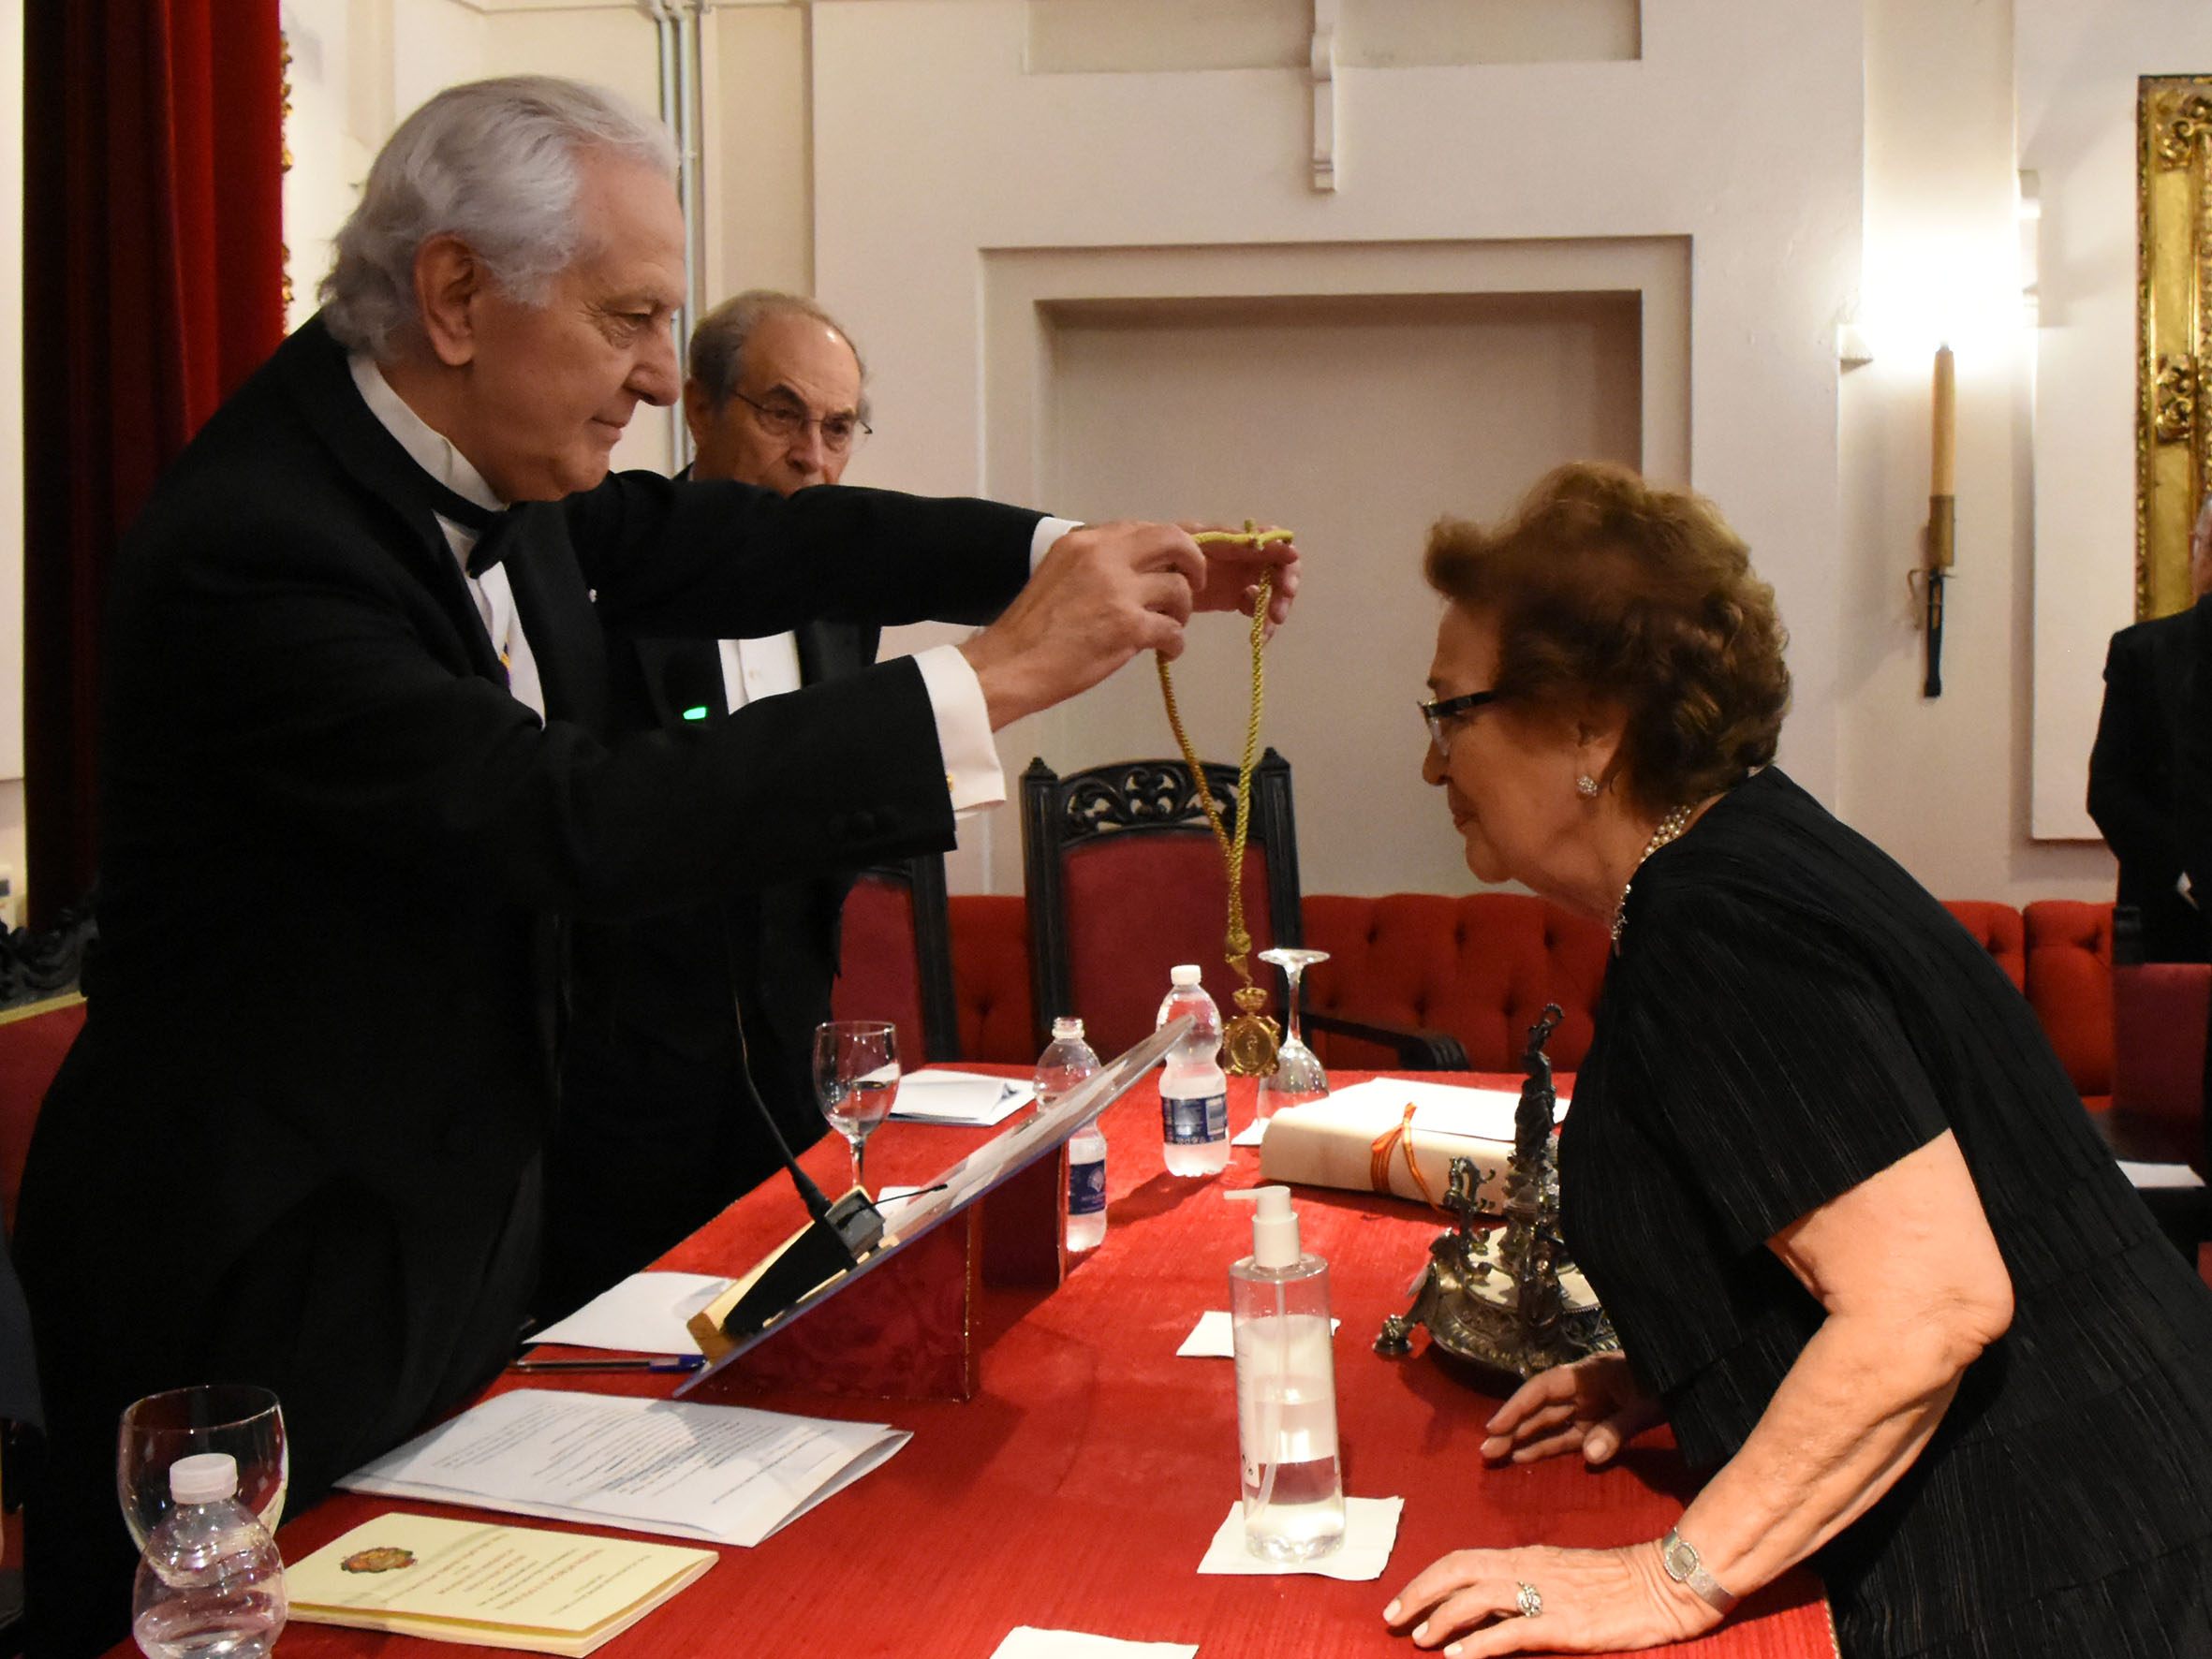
(717, 359)
(495, 163)
(2200, 535)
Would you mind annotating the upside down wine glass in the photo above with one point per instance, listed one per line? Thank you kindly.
(1298, 1075)
(856, 1076)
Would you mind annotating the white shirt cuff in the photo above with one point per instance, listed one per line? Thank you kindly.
(972, 774)
(1048, 531)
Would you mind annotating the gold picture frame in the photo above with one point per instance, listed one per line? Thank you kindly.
(2174, 311)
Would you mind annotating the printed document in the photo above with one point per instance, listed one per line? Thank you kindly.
(727, 1474)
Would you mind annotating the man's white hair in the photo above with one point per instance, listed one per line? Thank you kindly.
(495, 163)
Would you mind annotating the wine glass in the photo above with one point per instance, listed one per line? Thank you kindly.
(1298, 1075)
(234, 1417)
(856, 1073)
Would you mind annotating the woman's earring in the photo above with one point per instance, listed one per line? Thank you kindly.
(1587, 786)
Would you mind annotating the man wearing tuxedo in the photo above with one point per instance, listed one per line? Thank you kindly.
(688, 1026)
(2134, 765)
(359, 774)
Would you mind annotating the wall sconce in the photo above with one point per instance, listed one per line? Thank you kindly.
(1942, 527)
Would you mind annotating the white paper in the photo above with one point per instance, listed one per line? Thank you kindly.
(1440, 1108)
(727, 1474)
(645, 1314)
(938, 1096)
(1214, 1338)
(1252, 1133)
(1026, 1642)
(1370, 1533)
(2161, 1175)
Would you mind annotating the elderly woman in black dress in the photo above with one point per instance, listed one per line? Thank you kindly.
(1861, 1242)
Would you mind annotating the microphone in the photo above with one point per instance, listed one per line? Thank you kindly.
(834, 1241)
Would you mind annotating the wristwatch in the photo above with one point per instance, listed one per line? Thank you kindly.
(1679, 1556)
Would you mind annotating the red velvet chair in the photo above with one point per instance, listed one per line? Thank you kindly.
(33, 1040)
(990, 977)
(1124, 880)
(895, 958)
(2069, 983)
(1479, 966)
(2159, 1014)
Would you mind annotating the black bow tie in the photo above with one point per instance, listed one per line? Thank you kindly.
(493, 539)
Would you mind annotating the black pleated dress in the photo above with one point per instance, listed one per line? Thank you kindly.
(1789, 1014)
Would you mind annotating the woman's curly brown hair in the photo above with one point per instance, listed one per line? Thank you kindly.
(1608, 588)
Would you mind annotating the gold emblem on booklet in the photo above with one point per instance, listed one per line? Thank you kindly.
(385, 1559)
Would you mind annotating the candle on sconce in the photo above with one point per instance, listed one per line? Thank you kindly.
(1946, 466)
(1943, 532)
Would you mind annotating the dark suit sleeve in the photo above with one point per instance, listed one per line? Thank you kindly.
(323, 700)
(2192, 782)
(2127, 788)
(725, 561)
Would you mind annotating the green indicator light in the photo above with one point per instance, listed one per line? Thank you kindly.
(697, 714)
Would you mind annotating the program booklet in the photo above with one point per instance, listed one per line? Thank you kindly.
(490, 1586)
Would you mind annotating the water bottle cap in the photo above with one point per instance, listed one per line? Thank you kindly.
(203, 1479)
(1188, 973)
(1066, 1029)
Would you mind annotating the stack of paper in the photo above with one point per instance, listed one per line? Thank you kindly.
(939, 1096)
(489, 1585)
(726, 1473)
(645, 1314)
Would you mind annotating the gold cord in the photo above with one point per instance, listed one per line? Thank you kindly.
(1233, 850)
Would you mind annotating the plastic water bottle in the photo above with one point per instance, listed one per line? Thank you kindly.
(211, 1585)
(1066, 1063)
(1193, 1092)
(1286, 1388)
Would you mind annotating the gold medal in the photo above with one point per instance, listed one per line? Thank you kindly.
(1251, 1039)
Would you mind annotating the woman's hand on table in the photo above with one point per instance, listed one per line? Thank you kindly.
(1594, 1406)
(1483, 1602)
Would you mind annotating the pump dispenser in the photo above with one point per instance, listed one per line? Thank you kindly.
(1286, 1388)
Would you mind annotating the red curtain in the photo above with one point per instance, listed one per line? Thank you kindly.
(152, 285)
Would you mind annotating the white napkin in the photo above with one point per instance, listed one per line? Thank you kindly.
(1214, 1337)
(1026, 1642)
(1370, 1531)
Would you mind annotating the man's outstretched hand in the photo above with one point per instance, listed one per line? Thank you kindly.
(1105, 592)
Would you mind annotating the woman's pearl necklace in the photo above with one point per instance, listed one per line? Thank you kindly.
(1669, 826)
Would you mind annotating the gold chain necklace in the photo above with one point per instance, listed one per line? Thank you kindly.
(1669, 828)
(1251, 1038)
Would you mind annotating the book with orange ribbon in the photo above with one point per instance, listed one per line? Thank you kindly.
(1395, 1136)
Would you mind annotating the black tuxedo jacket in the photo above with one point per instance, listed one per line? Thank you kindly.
(297, 1140)
(2134, 770)
(656, 1131)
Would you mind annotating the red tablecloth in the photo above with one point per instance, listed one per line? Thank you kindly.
(1080, 1487)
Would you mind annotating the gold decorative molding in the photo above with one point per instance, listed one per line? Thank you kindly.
(2174, 311)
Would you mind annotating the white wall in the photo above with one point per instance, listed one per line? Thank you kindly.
(1944, 784)
(1738, 131)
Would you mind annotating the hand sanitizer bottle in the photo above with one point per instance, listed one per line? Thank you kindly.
(1286, 1388)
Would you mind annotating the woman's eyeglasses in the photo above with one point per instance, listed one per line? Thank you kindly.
(1444, 710)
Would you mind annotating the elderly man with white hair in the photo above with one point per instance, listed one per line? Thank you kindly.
(357, 776)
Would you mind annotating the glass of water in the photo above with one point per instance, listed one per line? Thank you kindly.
(856, 1076)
